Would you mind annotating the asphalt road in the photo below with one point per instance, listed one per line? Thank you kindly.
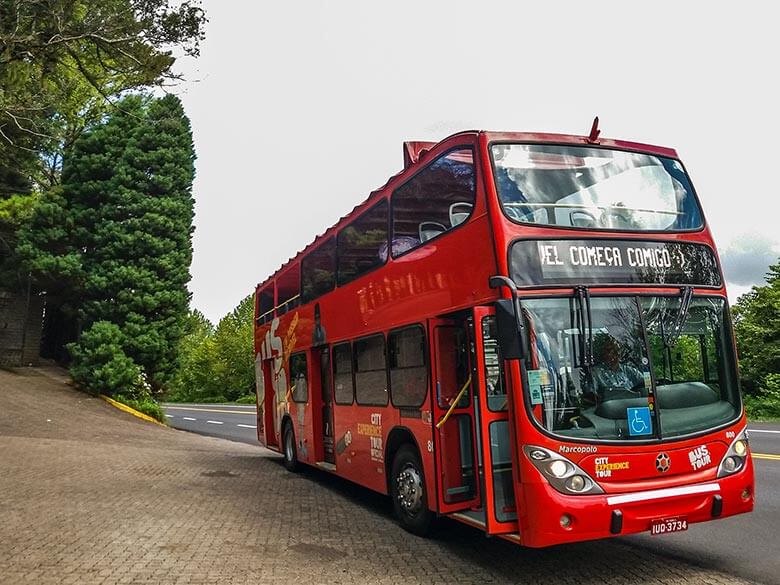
(747, 546)
(229, 421)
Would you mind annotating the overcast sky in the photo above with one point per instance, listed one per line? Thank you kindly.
(299, 110)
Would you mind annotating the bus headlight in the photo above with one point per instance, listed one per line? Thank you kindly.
(562, 474)
(559, 468)
(577, 483)
(734, 459)
(731, 464)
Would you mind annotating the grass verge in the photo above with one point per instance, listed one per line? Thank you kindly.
(148, 406)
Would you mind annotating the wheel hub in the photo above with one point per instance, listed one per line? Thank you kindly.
(409, 489)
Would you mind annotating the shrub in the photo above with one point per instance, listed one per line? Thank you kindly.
(100, 365)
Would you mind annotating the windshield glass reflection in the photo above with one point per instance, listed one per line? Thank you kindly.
(597, 378)
(593, 188)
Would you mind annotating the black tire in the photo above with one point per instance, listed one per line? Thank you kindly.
(289, 451)
(407, 489)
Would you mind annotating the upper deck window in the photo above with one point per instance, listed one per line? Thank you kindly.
(362, 244)
(318, 271)
(593, 188)
(436, 200)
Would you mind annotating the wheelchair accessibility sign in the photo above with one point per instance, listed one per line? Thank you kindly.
(639, 422)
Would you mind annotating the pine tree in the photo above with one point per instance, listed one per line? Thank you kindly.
(127, 203)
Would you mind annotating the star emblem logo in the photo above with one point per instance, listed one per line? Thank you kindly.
(663, 462)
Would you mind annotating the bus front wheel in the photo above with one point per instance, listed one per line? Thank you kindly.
(289, 451)
(407, 489)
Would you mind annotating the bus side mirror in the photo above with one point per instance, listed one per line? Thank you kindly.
(511, 336)
(509, 318)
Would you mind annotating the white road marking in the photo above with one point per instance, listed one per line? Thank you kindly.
(181, 406)
(762, 431)
(215, 422)
(248, 426)
(189, 418)
(169, 415)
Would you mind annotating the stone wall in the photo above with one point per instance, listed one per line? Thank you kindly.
(13, 308)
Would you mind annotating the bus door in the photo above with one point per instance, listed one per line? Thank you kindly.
(267, 408)
(324, 426)
(453, 416)
(495, 431)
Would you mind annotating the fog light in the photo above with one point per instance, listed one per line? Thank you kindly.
(558, 468)
(565, 521)
(576, 483)
(740, 447)
(746, 494)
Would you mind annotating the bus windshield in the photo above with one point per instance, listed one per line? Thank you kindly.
(593, 188)
(630, 368)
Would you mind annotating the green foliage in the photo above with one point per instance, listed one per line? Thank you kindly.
(115, 240)
(63, 61)
(766, 403)
(757, 326)
(217, 365)
(46, 244)
(100, 363)
(144, 403)
(247, 399)
(16, 209)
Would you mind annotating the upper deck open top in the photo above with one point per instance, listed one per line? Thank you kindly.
(529, 185)
(418, 154)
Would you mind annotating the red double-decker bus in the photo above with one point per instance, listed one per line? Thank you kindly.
(528, 333)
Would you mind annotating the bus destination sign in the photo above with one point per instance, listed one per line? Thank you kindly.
(572, 262)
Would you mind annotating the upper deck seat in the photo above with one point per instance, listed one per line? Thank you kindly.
(459, 212)
(430, 229)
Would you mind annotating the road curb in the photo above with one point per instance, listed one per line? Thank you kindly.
(131, 410)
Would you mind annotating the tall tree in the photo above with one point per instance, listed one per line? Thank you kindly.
(62, 62)
(119, 236)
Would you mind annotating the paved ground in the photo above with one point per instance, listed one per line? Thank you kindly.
(90, 495)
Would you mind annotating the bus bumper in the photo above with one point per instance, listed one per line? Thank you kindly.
(557, 518)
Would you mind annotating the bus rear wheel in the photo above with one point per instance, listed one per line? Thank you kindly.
(407, 489)
(289, 451)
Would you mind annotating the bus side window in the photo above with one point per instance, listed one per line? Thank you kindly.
(494, 367)
(370, 371)
(408, 370)
(299, 377)
(318, 271)
(344, 390)
(362, 245)
(434, 201)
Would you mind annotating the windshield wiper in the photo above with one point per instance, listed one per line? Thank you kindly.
(672, 337)
(584, 322)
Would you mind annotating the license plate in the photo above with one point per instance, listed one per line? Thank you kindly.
(668, 525)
